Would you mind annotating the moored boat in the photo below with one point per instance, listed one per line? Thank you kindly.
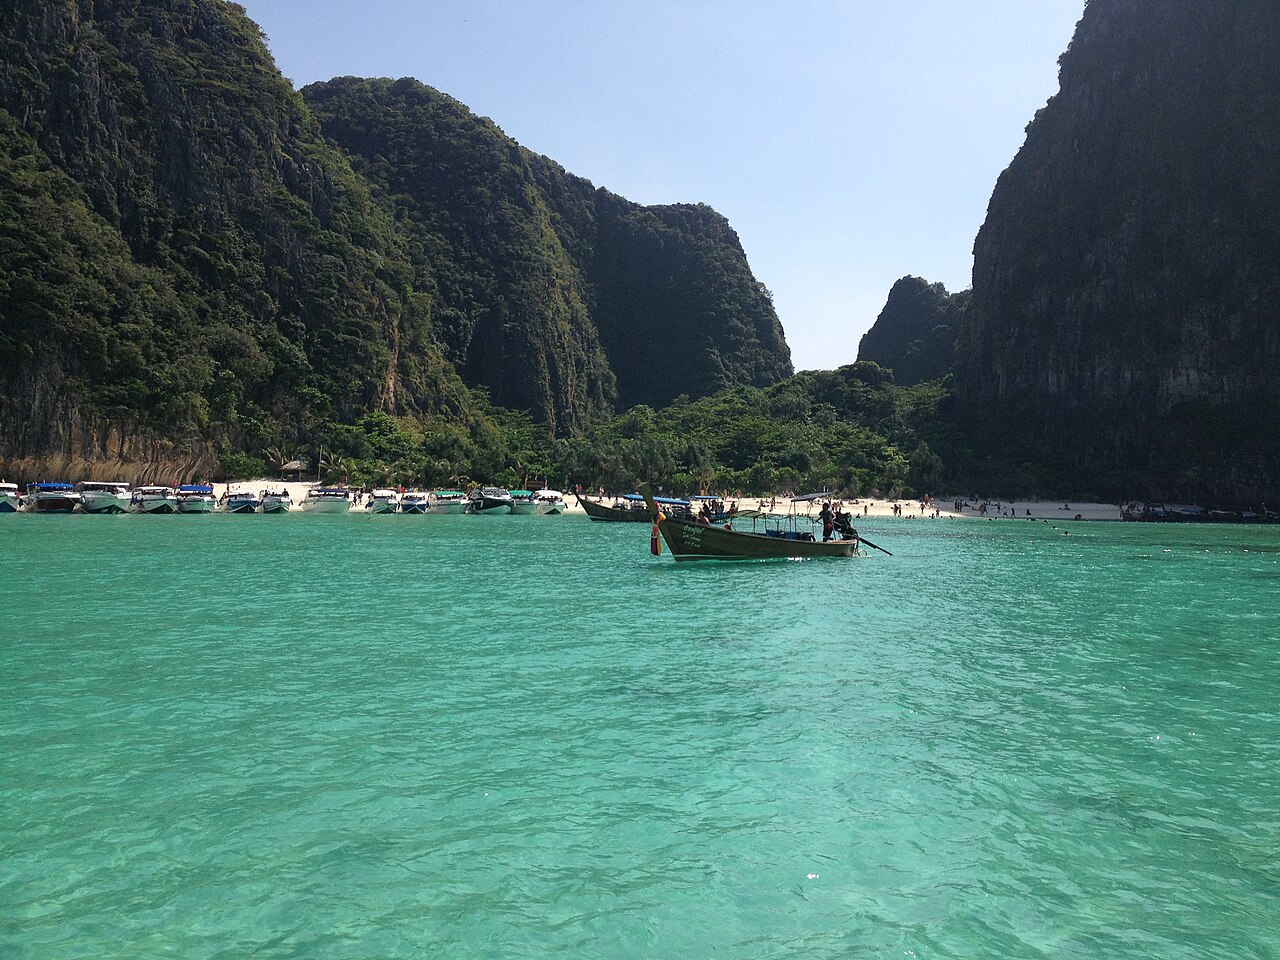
(241, 501)
(383, 500)
(447, 502)
(276, 501)
(417, 502)
(108, 497)
(523, 503)
(195, 498)
(51, 497)
(549, 502)
(628, 509)
(154, 499)
(10, 498)
(327, 500)
(693, 540)
(492, 501)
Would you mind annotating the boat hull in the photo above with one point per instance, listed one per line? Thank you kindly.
(598, 511)
(242, 506)
(550, 509)
(196, 505)
(695, 541)
(524, 509)
(451, 508)
(55, 504)
(8, 503)
(382, 506)
(495, 510)
(156, 505)
(275, 505)
(326, 506)
(104, 503)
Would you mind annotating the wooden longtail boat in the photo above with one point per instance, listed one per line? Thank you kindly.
(688, 540)
(634, 512)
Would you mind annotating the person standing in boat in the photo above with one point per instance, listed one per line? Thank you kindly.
(828, 521)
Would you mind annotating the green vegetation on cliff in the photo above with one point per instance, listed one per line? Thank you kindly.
(915, 334)
(548, 290)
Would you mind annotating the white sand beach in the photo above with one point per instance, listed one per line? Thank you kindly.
(908, 509)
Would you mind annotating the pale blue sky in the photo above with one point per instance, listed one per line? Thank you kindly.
(849, 143)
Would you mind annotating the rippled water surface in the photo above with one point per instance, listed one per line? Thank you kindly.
(349, 737)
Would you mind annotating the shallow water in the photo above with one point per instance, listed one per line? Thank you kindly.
(351, 737)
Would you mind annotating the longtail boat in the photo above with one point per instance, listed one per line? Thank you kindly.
(628, 509)
(689, 540)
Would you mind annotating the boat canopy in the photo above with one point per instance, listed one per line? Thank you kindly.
(705, 496)
(8, 486)
(195, 488)
(329, 491)
(45, 485)
(522, 493)
(383, 492)
(154, 490)
(669, 501)
(810, 497)
(103, 484)
(449, 493)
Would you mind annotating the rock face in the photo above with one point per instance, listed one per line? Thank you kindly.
(187, 262)
(915, 334)
(546, 288)
(1126, 299)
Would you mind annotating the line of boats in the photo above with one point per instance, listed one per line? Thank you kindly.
(106, 497)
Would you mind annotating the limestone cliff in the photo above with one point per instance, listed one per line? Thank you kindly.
(1126, 298)
(915, 334)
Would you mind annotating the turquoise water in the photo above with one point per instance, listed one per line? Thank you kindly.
(349, 737)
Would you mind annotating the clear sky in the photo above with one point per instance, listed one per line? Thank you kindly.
(849, 143)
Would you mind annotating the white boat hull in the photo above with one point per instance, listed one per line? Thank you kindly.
(95, 502)
(550, 509)
(524, 509)
(155, 505)
(382, 506)
(196, 505)
(497, 511)
(450, 507)
(326, 506)
(276, 505)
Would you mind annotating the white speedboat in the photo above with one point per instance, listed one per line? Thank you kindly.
(109, 497)
(196, 498)
(242, 501)
(327, 500)
(276, 501)
(448, 501)
(154, 500)
(383, 500)
(10, 498)
(550, 502)
(418, 502)
(489, 501)
(523, 503)
(46, 497)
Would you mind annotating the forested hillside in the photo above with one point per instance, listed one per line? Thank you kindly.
(915, 334)
(550, 290)
(192, 273)
(190, 268)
